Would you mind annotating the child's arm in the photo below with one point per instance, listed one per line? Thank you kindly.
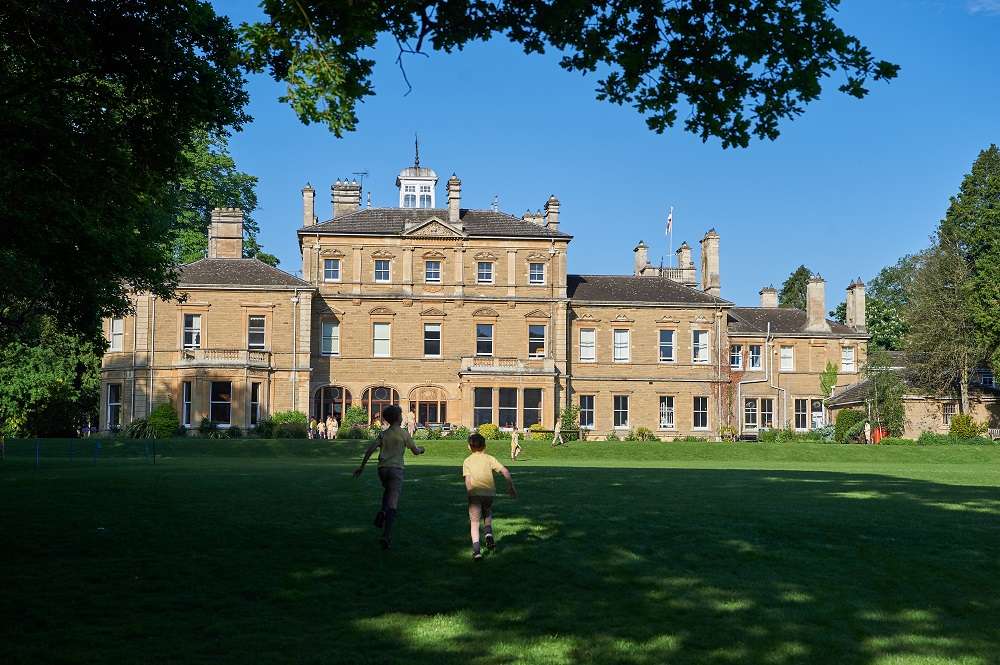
(468, 484)
(511, 490)
(372, 447)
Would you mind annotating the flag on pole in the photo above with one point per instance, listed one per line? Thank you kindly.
(670, 220)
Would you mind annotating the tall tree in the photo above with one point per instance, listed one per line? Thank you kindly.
(210, 180)
(973, 221)
(886, 299)
(942, 344)
(736, 68)
(793, 290)
(887, 391)
(99, 100)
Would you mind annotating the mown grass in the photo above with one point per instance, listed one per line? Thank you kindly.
(262, 551)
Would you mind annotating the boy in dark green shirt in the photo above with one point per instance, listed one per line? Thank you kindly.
(392, 444)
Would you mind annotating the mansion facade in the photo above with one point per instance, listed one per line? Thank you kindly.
(466, 317)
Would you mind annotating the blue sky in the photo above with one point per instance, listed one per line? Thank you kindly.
(848, 188)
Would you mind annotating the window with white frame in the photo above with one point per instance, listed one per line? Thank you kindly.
(221, 402)
(381, 340)
(330, 344)
(700, 352)
(666, 412)
(432, 340)
(699, 413)
(116, 335)
(847, 359)
(409, 196)
(787, 361)
(186, 404)
(482, 406)
(536, 341)
(254, 403)
(331, 270)
(767, 412)
(425, 196)
(586, 412)
(531, 412)
(536, 273)
(985, 377)
(666, 346)
(736, 356)
(948, 410)
(484, 339)
(484, 272)
(588, 345)
(256, 328)
(382, 270)
(192, 331)
(620, 414)
(622, 344)
(507, 408)
(802, 414)
(114, 405)
(750, 414)
(432, 271)
(754, 359)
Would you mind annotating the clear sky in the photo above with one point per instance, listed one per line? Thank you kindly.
(848, 188)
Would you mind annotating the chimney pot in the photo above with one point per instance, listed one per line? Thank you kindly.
(346, 197)
(225, 234)
(552, 213)
(816, 305)
(454, 200)
(710, 282)
(308, 205)
(769, 297)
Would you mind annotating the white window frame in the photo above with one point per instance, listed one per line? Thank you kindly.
(388, 271)
(212, 403)
(769, 401)
(626, 355)
(736, 352)
(430, 327)
(491, 269)
(186, 403)
(384, 340)
(193, 330)
(588, 349)
(116, 335)
(536, 279)
(116, 422)
(701, 351)
(491, 339)
(589, 411)
(615, 411)
(805, 413)
(754, 359)
(751, 414)
(254, 413)
(848, 365)
(537, 354)
(331, 270)
(786, 361)
(668, 412)
(672, 345)
(333, 348)
(695, 411)
(948, 411)
(432, 275)
(262, 331)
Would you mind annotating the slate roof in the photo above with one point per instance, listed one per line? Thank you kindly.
(783, 320)
(626, 288)
(392, 221)
(235, 272)
(859, 392)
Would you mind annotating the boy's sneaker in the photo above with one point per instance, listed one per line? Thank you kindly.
(379, 519)
(384, 542)
(477, 556)
(490, 544)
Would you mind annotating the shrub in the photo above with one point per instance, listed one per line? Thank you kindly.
(140, 428)
(727, 433)
(503, 436)
(421, 434)
(265, 428)
(847, 419)
(855, 433)
(291, 430)
(569, 421)
(489, 431)
(207, 427)
(964, 427)
(283, 417)
(459, 434)
(826, 433)
(691, 439)
(355, 416)
(164, 421)
(433, 434)
(641, 434)
(353, 433)
(612, 436)
(537, 432)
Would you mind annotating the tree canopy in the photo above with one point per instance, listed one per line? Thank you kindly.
(99, 101)
(735, 69)
(793, 290)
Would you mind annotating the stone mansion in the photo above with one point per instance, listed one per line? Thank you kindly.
(466, 317)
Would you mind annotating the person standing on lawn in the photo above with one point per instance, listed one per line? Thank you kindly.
(478, 471)
(515, 444)
(391, 444)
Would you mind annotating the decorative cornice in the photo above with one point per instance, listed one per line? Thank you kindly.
(485, 256)
(622, 318)
(433, 254)
(537, 257)
(331, 252)
(434, 228)
(486, 312)
(433, 311)
(667, 319)
(381, 311)
(537, 314)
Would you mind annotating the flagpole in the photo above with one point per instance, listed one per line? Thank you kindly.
(670, 236)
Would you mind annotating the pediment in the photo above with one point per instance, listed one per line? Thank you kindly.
(484, 312)
(434, 228)
(383, 254)
(433, 254)
(538, 257)
(381, 311)
(433, 311)
(331, 252)
(623, 318)
(667, 319)
(588, 318)
(537, 314)
(485, 256)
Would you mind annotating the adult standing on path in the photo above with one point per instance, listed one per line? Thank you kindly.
(410, 421)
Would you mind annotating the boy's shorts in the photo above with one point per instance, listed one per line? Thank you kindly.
(480, 505)
(392, 482)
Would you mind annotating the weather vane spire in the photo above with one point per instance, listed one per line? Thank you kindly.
(416, 149)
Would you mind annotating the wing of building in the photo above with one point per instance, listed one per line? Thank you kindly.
(468, 316)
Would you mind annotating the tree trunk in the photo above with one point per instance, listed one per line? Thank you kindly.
(963, 391)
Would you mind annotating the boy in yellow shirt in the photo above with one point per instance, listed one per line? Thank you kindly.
(478, 470)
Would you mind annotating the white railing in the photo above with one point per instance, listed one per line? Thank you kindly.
(242, 357)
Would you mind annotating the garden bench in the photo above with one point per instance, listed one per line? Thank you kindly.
(994, 433)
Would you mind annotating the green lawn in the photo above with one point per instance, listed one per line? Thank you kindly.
(259, 551)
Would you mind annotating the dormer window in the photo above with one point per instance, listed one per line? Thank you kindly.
(409, 196)
(425, 196)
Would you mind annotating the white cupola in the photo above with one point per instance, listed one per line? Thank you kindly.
(417, 184)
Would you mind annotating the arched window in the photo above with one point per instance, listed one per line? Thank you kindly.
(376, 399)
(332, 401)
(430, 406)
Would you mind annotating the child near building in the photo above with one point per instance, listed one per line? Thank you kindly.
(515, 444)
(321, 429)
(392, 444)
(478, 471)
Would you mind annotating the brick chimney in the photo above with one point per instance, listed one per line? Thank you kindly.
(816, 305)
(552, 213)
(225, 235)
(308, 205)
(769, 297)
(454, 201)
(346, 197)
(641, 258)
(710, 283)
(856, 305)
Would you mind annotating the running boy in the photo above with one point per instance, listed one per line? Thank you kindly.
(478, 470)
(392, 443)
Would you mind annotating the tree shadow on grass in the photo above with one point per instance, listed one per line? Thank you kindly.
(634, 566)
